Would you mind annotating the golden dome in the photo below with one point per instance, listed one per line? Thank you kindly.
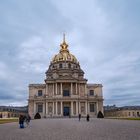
(64, 54)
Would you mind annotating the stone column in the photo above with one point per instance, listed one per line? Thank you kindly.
(79, 108)
(61, 89)
(76, 88)
(56, 88)
(79, 88)
(97, 107)
(86, 108)
(71, 89)
(71, 108)
(43, 109)
(85, 90)
(56, 108)
(34, 108)
(53, 89)
(76, 107)
(61, 108)
(53, 109)
(46, 108)
(46, 89)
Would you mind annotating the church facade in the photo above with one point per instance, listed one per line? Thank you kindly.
(65, 92)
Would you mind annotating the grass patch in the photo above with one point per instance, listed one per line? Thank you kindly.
(130, 119)
(125, 118)
(2, 121)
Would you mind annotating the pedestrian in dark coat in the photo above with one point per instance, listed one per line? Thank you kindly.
(79, 117)
(87, 117)
(21, 121)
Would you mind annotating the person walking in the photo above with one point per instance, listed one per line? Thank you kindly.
(21, 121)
(79, 117)
(87, 117)
(27, 119)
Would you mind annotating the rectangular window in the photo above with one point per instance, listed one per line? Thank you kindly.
(92, 107)
(91, 92)
(60, 65)
(66, 93)
(40, 108)
(69, 65)
(40, 93)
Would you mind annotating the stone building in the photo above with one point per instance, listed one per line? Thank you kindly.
(11, 112)
(65, 91)
(122, 112)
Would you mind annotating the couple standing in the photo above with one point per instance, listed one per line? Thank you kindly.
(86, 117)
(23, 119)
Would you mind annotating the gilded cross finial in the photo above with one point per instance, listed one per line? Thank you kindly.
(64, 45)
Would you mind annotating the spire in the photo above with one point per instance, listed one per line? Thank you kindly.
(64, 45)
(63, 37)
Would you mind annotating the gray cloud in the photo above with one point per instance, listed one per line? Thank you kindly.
(104, 36)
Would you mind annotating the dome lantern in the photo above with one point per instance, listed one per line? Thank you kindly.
(64, 54)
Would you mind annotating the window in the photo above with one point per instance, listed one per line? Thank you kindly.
(82, 109)
(39, 92)
(1, 115)
(91, 92)
(69, 65)
(129, 113)
(50, 109)
(40, 108)
(60, 65)
(92, 107)
(66, 93)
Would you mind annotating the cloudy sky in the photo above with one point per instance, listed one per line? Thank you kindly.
(104, 36)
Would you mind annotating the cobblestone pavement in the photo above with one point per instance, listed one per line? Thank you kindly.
(72, 129)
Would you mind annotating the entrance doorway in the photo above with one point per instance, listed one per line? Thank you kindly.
(66, 111)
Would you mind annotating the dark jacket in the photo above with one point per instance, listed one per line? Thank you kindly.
(21, 119)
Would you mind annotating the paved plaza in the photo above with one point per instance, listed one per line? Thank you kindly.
(72, 129)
